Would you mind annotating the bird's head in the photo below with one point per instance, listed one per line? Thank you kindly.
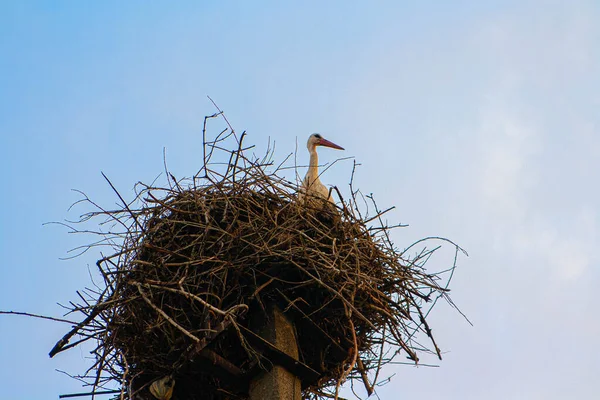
(316, 139)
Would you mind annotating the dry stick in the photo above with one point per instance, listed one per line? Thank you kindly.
(339, 295)
(428, 330)
(161, 312)
(213, 146)
(100, 363)
(237, 155)
(398, 338)
(437, 238)
(58, 347)
(111, 214)
(70, 345)
(124, 376)
(379, 214)
(204, 164)
(195, 349)
(194, 297)
(452, 269)
(222, 114)
(38, 316)
(124, 202)
(169, 174)
(363, 375)
(380, 359)
(66, 396)
(354, 356)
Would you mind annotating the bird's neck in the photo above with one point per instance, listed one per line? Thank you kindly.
(313, 165)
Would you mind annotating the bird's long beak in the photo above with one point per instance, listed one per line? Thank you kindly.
(327, 143)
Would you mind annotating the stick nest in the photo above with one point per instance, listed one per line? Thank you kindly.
(198, 265)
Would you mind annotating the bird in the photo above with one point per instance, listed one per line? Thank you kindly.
(162, 388)
(311, 185)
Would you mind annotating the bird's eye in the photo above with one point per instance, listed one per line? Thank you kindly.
(317, 136)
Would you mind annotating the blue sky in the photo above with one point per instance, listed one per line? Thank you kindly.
(478, 120)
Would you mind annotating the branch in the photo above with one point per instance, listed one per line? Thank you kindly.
(38, 316)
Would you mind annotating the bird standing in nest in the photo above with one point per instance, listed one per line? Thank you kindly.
(311, 185)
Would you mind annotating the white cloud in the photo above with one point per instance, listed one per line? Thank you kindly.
(550, 50)
(535, 136)
(566, 244)
(506, 146)
(564, 254)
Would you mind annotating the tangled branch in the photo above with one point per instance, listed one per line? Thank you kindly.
(191, 263)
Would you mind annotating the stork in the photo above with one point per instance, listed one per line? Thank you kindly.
(311, 185)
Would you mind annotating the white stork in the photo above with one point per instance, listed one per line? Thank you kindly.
(311, 185)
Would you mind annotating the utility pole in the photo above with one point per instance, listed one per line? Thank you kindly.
(279, 383)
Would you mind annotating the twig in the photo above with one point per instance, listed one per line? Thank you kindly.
(38, 316)
(165, 315)
(66, 396)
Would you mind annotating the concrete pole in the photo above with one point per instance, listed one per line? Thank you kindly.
(278, 383)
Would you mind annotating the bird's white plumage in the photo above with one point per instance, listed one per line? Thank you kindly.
(162, 388)
(311, 185)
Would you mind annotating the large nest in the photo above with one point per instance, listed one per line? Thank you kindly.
(198, 265)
